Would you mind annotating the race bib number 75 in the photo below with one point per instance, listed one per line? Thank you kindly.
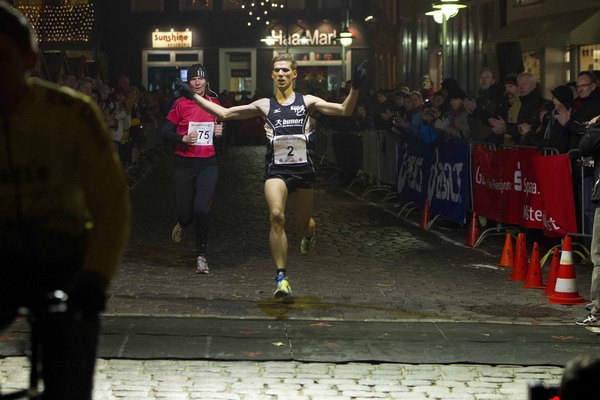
(205, 132)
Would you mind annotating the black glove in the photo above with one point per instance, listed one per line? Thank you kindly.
(359, 75)
(87, 294)
(185, 89)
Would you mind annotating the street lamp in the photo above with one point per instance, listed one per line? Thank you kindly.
(345, 37)
(441, 13)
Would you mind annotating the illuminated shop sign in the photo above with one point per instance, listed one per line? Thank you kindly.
(171, 39)
(311, 38)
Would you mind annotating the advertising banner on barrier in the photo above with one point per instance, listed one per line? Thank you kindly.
(520, 186)
(438, 173)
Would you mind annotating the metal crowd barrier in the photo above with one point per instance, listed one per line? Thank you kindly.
(379, 173)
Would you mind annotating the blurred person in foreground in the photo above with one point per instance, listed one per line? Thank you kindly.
(64, 212)
(580, 378)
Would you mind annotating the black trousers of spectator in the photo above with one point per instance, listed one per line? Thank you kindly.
(195, 183)
(35, 264)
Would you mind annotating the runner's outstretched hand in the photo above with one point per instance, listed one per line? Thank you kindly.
(359, 75)
(185, 89)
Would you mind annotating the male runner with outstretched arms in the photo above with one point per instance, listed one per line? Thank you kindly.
(289, 157)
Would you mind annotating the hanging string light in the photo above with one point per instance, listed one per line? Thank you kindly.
(61, 23)
(259, 11)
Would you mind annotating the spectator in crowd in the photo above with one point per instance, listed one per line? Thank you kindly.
(427, 88)
(118, 130)
(427, 129)
(575, 120)
(400, 99)
(383, 111)
(580, 378)
(402, 114)
(107, 105)
(531, 102)
(555, 135)
(448, 85)
(585, 107)
(486, 106)
(86, 86)
(414, 124)
(437, 100)
(122, 85)
(510, 105)
(590, 146)
(537, 138)
(135, 130)
(70, 80)
(64, 213)
(454, 125)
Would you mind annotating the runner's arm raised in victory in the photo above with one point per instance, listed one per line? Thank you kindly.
(258, 108)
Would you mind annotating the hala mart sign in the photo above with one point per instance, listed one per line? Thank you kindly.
(171, 39)
(314, 38)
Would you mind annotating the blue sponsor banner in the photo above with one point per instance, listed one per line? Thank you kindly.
(437, 172)
(413, 171)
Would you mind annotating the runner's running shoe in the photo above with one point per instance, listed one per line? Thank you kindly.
(307, 246)
(177, 233)
(283, 286)
(201, 265)
(590, 320)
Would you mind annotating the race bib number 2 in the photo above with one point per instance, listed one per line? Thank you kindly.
(205, 132)
(290, 149)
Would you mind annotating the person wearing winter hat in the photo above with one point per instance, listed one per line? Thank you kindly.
(192, 130)
(454, 125)
(511, 103)
(564, 94)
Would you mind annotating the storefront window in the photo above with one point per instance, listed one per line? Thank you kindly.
(161, 67)
(532, 62)
(319, 69)
(589, 57)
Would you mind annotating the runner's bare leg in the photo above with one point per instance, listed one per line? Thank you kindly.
(303, 201)
(276, 195)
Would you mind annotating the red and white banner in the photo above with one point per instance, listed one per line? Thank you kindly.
(520, 186)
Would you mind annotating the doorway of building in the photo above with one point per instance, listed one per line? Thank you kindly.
(161, 67)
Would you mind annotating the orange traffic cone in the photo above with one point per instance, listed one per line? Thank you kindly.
(473, 234)
(534, 271)
(565, 291)
(553, 273)
(424, 216)
(520, 268)
(507, 253)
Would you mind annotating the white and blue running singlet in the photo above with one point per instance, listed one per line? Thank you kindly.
(290, 149)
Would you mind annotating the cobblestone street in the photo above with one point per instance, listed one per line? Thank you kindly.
(382, 309)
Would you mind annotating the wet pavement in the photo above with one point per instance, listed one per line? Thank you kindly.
(380, 296)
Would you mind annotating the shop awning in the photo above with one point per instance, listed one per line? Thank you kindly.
(576, 27)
